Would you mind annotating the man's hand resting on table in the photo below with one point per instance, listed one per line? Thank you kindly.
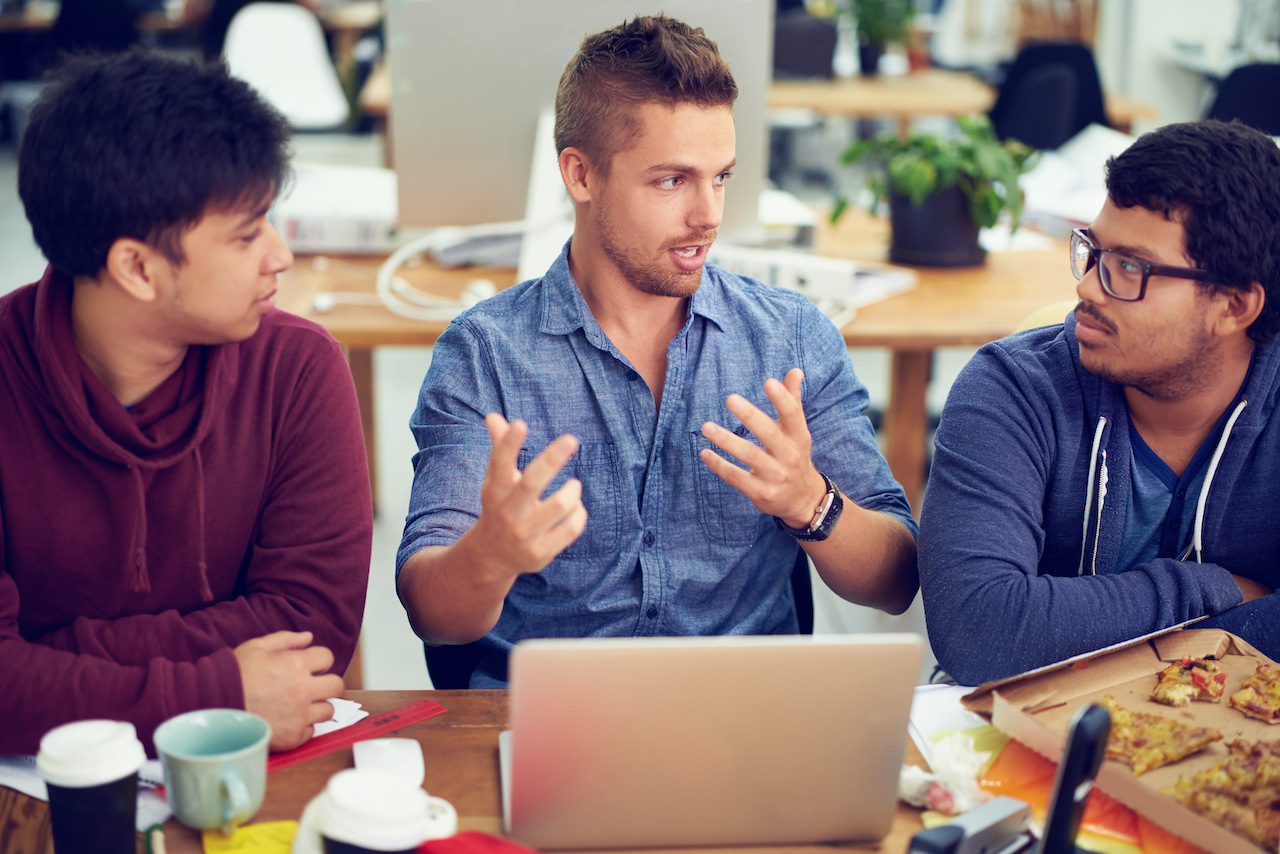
(286, 681)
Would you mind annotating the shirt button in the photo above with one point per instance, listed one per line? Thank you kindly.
(1182, 493)
(652, 613)
(649, 539)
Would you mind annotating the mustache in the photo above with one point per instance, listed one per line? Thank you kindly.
(1096, 316)
(700, 237)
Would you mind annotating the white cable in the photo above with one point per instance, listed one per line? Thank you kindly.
(407, 301)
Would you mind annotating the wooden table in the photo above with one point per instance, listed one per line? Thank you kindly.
(948, 308)
(930, 92)
(460, 748)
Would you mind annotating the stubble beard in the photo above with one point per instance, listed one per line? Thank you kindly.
(649, 278)
(1195, 371)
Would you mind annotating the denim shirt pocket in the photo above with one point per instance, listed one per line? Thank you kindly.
(725, 515)
(596, 466)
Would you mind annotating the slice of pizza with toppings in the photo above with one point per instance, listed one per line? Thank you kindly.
(1144, 741)
(1240, 793)
(1190, 679)
(1259, 697)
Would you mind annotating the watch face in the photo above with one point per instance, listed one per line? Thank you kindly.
(828, 523)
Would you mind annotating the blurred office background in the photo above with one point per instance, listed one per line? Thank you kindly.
(1171, 55)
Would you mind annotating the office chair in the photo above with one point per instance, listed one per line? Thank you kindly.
(279, 49)
(94, 25)
(803, 46)
(1250, 94)
(450, 667)
(1051, 93)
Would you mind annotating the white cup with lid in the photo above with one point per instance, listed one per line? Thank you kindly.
(373, 811)
(90, 769)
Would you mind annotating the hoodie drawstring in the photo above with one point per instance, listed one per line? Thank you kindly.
(141, 580)
(1088, 493)
(1197, 539)
(201, 563)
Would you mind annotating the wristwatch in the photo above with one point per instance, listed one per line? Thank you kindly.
(825, 516)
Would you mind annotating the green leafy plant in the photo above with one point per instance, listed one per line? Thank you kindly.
(881, 21)
(983, 167)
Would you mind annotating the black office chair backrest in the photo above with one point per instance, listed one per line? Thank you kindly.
(1051, 92)
(802, 590)
(803, 46)
(450, 667)
(95, 25)
(1251, 94)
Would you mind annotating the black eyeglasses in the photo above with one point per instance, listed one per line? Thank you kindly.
(1122, 276)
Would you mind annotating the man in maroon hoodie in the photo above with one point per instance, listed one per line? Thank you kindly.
(184, 504)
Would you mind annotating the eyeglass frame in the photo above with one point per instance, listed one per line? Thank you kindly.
(1148, 269)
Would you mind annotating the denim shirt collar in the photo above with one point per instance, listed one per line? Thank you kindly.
(564, 309)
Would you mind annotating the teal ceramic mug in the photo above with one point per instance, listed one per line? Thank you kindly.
(215, 766)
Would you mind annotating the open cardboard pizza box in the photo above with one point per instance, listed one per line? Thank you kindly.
(1036, 709)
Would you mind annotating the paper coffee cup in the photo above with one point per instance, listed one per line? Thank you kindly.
(90, 769)
(372, 811)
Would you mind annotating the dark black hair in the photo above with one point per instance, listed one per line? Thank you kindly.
(1222, 182)
(142, 144)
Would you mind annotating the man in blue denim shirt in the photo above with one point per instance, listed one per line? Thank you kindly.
(567, 482)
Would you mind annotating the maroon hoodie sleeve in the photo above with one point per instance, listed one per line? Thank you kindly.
(306, 568)
(44, 688)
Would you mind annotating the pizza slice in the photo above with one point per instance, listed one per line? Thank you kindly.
(1145, 741)
(1259, 697)
(1190, 679)
(1240, 793)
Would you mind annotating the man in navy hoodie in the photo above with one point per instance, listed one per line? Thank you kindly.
(184, 504)
(1116, 474)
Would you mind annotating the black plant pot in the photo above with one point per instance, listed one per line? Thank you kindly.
(869, 58)
(939, 232)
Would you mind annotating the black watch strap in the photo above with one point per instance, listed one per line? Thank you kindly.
(824, 518)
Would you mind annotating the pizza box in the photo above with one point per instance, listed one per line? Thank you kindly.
(1036, 708)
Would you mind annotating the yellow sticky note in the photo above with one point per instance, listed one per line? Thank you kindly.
(269, 837)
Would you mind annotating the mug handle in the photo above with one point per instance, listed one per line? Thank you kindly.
(237, 802)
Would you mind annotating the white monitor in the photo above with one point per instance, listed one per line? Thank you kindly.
(469, 79)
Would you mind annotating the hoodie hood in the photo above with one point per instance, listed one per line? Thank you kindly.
(159, 432)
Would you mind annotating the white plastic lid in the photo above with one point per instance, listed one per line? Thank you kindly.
(375, 810)
(89, 753)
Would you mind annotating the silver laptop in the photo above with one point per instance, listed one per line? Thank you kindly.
(638, 743)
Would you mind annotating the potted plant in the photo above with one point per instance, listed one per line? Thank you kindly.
(941, 189)
(878, 23)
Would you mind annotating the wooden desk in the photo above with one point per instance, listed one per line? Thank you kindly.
(948, 308)
(460, 747)
(931, 92)
(361, 328)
